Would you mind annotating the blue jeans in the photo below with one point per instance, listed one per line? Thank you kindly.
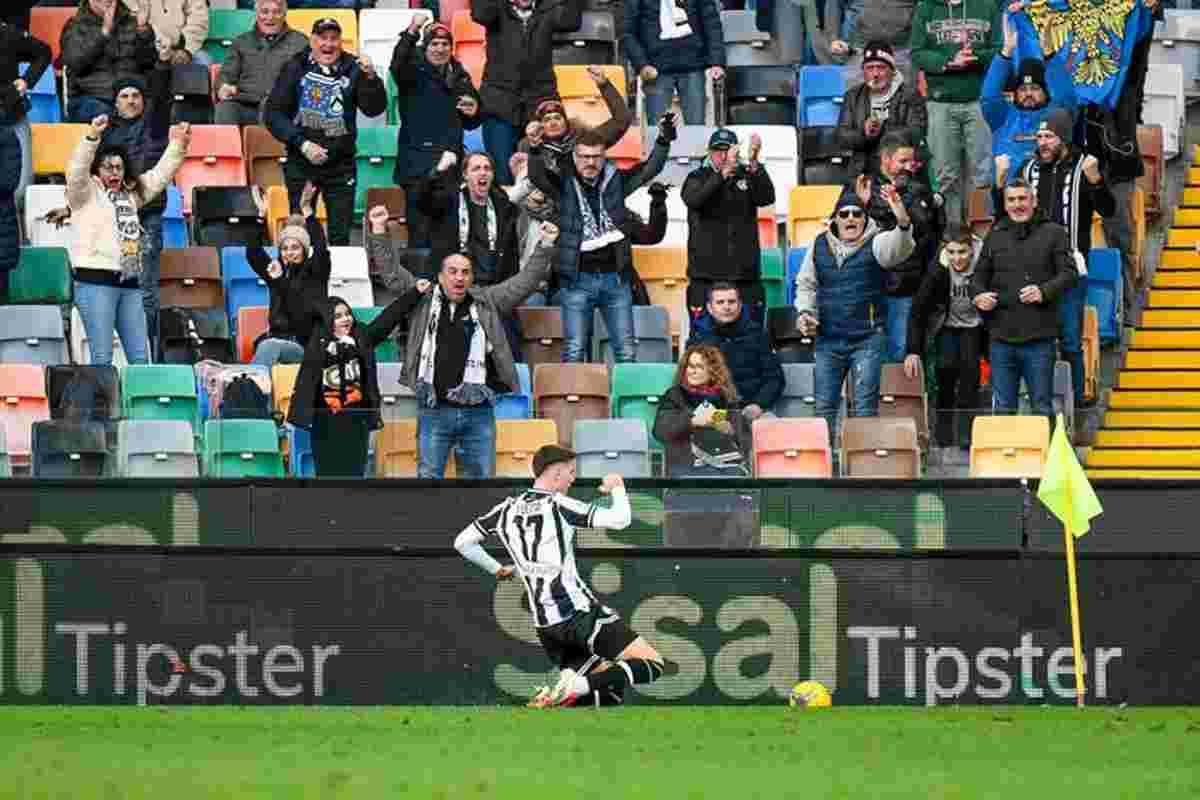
(500, 138)
(897, 310)
(691, 88)
(1070, 331)
(271, 351)
(540, 299)
(468, 430)
(835, 358)
(607, 292)
(85, 108)
(1033, 361)
(106, 307)
(152, 244)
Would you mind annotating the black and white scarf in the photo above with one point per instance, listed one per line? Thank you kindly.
(464, 222)
(473, 391)
(129, 233)
(881, 104)
(597, 232)
(1069, 201)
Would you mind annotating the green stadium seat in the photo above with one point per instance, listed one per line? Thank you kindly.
(225, 25)
(376, 162)
(636, 389)
(42, 277)
(242, 448)
(160, 391)
(774, 276)
(387, 352)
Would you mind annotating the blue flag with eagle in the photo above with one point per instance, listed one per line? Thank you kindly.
(1093, 39)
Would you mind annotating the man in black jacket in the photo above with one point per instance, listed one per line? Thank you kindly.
(723, 197)
(17, 46)
(313, 110)
(676, 54)
(437, 102)
(1070, 191)
(1025, 267)
(520, 71)
(101, 43)
(896, 159)
(752, 363)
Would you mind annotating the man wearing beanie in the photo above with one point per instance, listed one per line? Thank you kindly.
(883, 103)
(1039, 86)
(952, 43)
(142, 125)
(839, 300)
(437, 102)
(1069, 189)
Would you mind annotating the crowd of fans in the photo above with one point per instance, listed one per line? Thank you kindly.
(937, 105)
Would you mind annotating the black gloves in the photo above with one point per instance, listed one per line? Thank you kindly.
(658, 191)
(666, 128)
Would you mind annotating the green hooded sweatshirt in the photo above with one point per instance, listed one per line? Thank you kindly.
(937, 30)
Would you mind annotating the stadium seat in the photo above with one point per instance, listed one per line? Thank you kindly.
(160, 391)
(627, 152)
(44, 105)
(773, 275)
(745, 44)
(226, 216)
(396, 450)
(593, 42)
(393, 199)
(768, 227)
(636, 390)
(265, 156)
(1150, 145)
(300, 460)
(40, 198)
(788, 343)
(283, 386)
(53, 145)
(1009, 446)
(799, 392)
(214, 158)
(761, 95)
(302, 19)
(541, 334)
(651, 336)
(1164, 104)
(397, 401)
(191, 277)
(677, 213)
(519, 404)
(242, 448)
(192, 94)
(174, 225)
(242, 285)
(151, 448)
(470, 44)
(664, 272)
(69, 449)
(447, 9)
(47, 25)
(809, 204)
(687, 154)
(820, 93)
(225, 25)
(252, 322)
(567, 392)
(516, 442)
(901, 396)
(375, 162)
(879, 447)
(823, 160)
(1104, 291)
(348, 276)
(105, 378)
(278, 211)
(188, 335)
(795, 260)
(387, 350)
(32, 335)
(380, 29)
(42, 277)
(22, 403)
(979, 212)
(791, 448)
(5, 463)
(612, 445)
(580, 95)
(780, 156)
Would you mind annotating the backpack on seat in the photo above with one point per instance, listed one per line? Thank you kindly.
(243, 398)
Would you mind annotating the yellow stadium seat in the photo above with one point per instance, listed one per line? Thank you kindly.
(1168, 318)
(53, 145)
(664, 272)
(1183, 237)
(1146, 438)
(516, 442)
(302, 19)
(580, 95)
(277, 211)
(283, 386)
(1191, 198)
(1183, 258)
(1009, 446)
(809, 204)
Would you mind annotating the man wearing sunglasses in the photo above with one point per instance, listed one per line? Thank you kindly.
(839, 300)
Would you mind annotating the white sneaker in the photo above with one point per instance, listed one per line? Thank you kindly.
(541, 699)
(566, 691)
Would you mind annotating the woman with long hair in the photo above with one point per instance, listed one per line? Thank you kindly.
(698, 419)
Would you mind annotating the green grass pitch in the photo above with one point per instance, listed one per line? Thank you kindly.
(681, 752)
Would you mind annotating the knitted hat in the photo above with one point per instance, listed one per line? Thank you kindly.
(550, 106)
(129, 82)
(848, 199)
(438, 31)
(293, 228)
(1031, 71)
(879, 53)
(548, 455)
(1058, 122)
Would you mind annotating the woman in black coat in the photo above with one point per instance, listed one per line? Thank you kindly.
(699, 421)
(337, 391)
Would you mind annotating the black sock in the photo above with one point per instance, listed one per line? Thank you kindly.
(623, 673)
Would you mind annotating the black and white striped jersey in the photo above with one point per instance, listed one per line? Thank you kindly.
(537, 529)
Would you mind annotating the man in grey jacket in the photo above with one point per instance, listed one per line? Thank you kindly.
(253, 63)
(458, 357)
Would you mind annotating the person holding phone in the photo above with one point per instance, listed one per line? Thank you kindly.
(698, 419)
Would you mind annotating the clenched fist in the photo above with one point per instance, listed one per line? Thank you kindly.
(378, 219)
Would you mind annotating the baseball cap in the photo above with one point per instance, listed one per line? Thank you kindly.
(548, 455)
(722, 139)
(326, 24)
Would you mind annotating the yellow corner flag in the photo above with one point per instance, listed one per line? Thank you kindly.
(1064, 488)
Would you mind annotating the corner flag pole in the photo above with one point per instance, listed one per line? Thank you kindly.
(1073, 597)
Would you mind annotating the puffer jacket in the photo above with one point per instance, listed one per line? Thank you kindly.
(520, 69)
(93, 214)
(906, 114)
(93, 60)
(703, 48)
(1014, 128)
(145, 138)
(878, 20)
(752, 363)
(175, 20)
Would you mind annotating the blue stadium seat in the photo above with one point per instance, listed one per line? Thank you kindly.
(819, 100)
(43, 98)
(175, 233)
(1104, 290)
(300, 454)
(473, 141)
(795, 259)
(518, 405)
(242, 285)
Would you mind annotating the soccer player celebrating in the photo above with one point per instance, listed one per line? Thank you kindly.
(595, 650)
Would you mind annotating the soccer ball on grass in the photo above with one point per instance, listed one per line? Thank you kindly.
(810, 694)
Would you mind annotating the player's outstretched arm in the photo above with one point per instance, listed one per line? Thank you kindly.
(618, 515)
(468, 544)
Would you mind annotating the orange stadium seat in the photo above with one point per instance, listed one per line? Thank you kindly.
(580, 95)
(516, 442)
(792, 448)
(627, 153)
(47, 25)
(252, 322)
(878, 447)
(542, 334)
(53, 144)
(278, 210)
(470, 44)
(22, 402)
(214, 158)
(664, 271)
